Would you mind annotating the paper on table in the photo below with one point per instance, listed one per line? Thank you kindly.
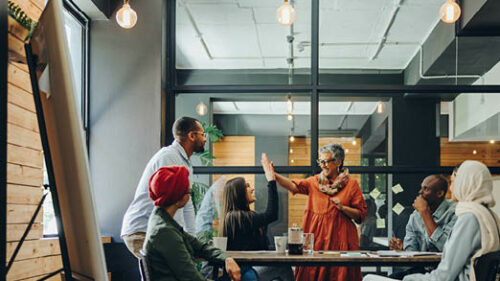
(353, 254)
(391, 253)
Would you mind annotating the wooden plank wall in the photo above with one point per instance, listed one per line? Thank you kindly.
(235, 151)
(454, 153)
(299, 155)
(37, 256)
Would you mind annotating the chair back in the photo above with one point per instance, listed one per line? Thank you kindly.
(144, 267)
(486, 266)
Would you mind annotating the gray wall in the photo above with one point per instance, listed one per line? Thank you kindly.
(125, 69)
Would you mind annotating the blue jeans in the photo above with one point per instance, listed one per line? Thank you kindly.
(248, 274)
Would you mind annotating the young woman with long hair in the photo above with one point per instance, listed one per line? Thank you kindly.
(246, 229)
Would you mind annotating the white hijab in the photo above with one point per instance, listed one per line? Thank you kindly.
(472, 187)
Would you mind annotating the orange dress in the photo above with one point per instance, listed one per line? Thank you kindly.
(333, 230)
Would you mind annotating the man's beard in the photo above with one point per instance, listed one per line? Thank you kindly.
(200, 147)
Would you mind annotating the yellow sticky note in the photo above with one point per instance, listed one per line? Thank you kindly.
(398, 208)
(397, 189)
(380, 223)
(375, 193)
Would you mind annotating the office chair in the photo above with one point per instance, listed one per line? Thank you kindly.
(144, 267)
(486, 266)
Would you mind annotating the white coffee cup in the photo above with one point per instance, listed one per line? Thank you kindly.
(221, 243)
(280, 243)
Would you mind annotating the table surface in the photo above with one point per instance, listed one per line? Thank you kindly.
(329, 258)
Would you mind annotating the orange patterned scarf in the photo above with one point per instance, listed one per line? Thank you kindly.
(340, 182)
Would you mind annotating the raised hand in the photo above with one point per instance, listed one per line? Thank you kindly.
(268, 167)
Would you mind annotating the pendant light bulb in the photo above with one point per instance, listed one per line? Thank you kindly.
(201, 109)
(450, 12)
(289, 117)
(292, 139)
(289, 105)
(380, 107)
(285, 14)
(126, 17)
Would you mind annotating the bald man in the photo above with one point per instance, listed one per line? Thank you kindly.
(431, 222)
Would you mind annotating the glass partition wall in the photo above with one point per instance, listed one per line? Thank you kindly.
(358, 73)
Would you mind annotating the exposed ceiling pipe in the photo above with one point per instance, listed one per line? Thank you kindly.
(387, 29)
(302, 44)
(422, 76)
(196, 29)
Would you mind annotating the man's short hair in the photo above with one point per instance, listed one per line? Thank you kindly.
(183, 125)
(441, 183)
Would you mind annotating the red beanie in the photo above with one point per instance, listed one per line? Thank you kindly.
(168, 185)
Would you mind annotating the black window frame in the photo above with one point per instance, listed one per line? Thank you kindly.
(170, 89)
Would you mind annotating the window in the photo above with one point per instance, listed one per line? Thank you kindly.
(373, 83)
(75, 27)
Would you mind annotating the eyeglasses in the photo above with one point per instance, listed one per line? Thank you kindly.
(324, 162)
(205, 135)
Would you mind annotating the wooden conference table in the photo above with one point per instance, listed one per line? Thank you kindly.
(355, 258)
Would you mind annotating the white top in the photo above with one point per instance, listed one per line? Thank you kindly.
(137, 215)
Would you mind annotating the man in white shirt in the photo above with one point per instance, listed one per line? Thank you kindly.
(189, 138)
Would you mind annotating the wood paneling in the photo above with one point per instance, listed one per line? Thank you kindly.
(15, 231)
(23, 175)
(235, 151)
(22, 213)
(23, 137)
(20, 97)
(22, 117)
(16, 46)
(34, 267)
(34, 249)
(24, 156)
(19, 76)
(37, 257)
(454, 153)
(53, 278)
(299, 155)
(23, 194)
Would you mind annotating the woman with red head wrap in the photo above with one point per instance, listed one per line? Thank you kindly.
(170, 250)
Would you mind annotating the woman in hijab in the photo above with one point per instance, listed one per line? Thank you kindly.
(476, 231)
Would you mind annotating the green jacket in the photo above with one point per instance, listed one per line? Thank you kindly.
(171, 251)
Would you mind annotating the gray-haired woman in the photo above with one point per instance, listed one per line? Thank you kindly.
(334, 201)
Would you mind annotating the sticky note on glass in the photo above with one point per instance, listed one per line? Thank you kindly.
(375, 193)
(397, 189)
(380, 223)
(398, 208)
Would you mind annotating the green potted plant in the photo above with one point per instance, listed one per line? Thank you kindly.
(19, 16)
(198, 189)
